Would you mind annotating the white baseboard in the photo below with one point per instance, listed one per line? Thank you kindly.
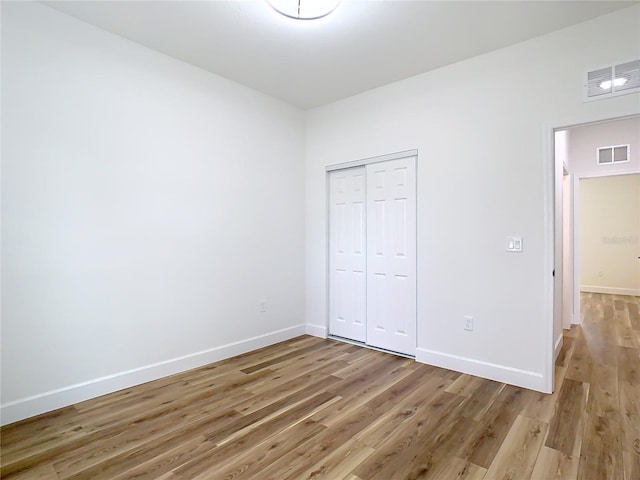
(557, 347)
(492, 371)
(317, 330)
(62, 397)
(611, 290)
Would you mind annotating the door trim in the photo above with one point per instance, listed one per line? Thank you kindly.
(548, 166)
(370, 160)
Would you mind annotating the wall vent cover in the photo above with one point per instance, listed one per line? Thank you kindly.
(611, 81)
(613, 154)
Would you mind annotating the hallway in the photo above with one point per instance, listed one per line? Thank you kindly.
(598, 388)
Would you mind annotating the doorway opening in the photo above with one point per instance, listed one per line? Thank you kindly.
(597, 216)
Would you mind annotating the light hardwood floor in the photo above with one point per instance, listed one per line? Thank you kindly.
(319, 409)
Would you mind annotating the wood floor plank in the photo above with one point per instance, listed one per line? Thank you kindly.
(44, 471)
(308, 454)
(283, 373)
(362, 386)
(163, 402)
(339, 463)
(634, 315)
(465, 385)
(482, 399)
(294, 403)
(388, 420)
(206, 409)
(566, 424)
(310, 408)
(96, 456)
(252, 458)
(630, 417)
(341, 411)
(603, 391)
(518, 453)
(628, 360)
(362, 361)
(35, 430)
(601, 453)
(554, 465)
(44, 441)
(160, 462)
(541, 406)
(434, 456)
(408, 442)
(297, 354)
(579, 367)
(206, 374)
(305, 381)
(631, 463)
(332, 352)
(458, 469)
(483, 443)
(624, 332)
(213, 392)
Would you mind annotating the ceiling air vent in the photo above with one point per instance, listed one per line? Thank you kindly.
(613, 154)
(612, 81)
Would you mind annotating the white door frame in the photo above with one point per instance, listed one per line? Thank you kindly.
(360, 163)
(370, 160)
(568, 249)
(549, 237)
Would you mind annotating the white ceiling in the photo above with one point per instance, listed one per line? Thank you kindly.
(360, 46)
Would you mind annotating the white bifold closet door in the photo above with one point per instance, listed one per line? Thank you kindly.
(372, 224)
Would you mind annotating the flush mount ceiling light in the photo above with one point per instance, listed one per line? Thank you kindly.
(304, 9)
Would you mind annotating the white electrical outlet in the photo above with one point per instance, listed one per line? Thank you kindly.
(468, 323)
(263, 306)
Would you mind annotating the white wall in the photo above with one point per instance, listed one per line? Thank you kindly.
(480, 127)
(147, 208)
(609, 231)
(585, 139)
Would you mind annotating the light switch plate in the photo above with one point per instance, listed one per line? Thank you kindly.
(514, 244)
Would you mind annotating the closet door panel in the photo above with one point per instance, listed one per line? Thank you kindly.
(347, 254)
(391, 257)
